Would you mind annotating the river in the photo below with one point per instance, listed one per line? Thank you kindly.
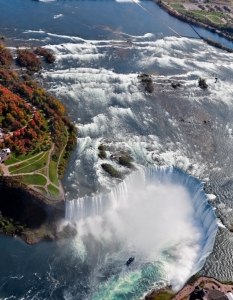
(100, 48)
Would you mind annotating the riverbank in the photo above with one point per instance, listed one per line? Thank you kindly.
(26, 213)
(207, 283)
(38, 138)
(194, 15)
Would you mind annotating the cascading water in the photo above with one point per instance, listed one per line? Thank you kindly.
(100, 48)
(159, 215)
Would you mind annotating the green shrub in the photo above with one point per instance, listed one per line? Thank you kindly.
(49, 57)
(10, 228)
(164, 296)
(193, 279)
(124, 160)
(29, 60)
(102, 152)
(54, 157)
(110, 170)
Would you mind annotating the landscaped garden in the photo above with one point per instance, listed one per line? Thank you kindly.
(34, 125)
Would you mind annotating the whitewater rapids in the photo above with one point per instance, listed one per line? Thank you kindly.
(98, 80)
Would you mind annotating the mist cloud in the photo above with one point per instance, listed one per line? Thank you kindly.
(148, 219)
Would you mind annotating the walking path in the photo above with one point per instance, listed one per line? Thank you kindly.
(48, 195)
(208, 283)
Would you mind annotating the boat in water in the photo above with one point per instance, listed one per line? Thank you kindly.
(129, 261)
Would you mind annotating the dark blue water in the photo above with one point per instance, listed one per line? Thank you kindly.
(90, 20)
(92, 265)
(42, 271)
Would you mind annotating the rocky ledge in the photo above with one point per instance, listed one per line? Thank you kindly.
(28, 214)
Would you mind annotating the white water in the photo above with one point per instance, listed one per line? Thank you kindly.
(98, 80)
(159, 215)
(111, 107)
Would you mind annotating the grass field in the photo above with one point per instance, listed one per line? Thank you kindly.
(53, 172)
(53, 190)
(14, 159)
(177, 6)
(41, 189)
(35, 165)
(26, 163)
(215, 19)
(214, 16)
(34, 179)
(43, 171)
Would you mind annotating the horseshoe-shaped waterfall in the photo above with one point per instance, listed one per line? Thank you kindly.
(159, 215)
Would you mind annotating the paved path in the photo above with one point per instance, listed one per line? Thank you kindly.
(208, 282)
(61, 195)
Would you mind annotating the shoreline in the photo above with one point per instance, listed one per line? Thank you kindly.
(191, 21)
(35, 174)
(208, 283)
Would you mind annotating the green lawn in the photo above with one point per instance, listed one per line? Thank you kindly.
(34, 179)
(177, 6)
(53, 190)
(21, 165)
(10, 161)
(32, 167)
(41, 189)
(215, 19)
(62, 157)
(53, 172)
(43, 171)
(214, 16)
(14, 159)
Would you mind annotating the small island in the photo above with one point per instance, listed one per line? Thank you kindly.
(36, 140)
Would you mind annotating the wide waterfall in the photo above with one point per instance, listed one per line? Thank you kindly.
(159, 215)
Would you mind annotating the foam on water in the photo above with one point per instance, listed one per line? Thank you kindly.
(116, 111)
(98, 79)
(161, 216)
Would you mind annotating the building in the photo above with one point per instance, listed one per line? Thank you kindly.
(4, 154)
(205, 294)
(216, 295)
(198, 294)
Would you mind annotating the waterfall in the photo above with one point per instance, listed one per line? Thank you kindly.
(120, 200)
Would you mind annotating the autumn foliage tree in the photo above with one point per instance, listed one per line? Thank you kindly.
(29, 60)
(5, 56)
(49, 57)
(30, 114)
